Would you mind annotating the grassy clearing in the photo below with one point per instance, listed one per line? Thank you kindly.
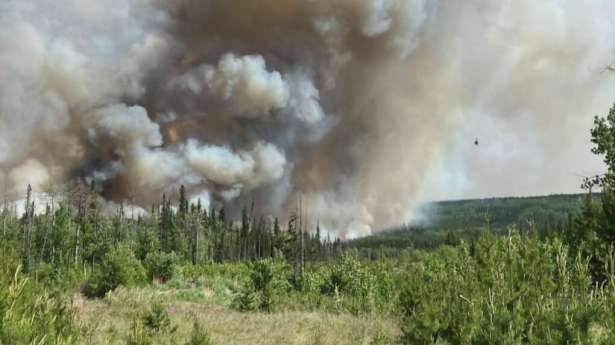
(109, 320)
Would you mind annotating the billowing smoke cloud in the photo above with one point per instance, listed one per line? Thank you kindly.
(358, 110)
(244, 83)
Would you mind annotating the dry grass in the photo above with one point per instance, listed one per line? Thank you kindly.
(108, 321)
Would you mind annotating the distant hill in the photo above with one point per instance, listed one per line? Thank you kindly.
(501, 212)
(452, 220)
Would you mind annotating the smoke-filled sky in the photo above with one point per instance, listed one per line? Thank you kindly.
(357, 109)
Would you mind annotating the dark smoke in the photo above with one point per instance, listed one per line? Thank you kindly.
(357, 109)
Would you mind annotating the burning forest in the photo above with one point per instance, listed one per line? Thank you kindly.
(358, 109)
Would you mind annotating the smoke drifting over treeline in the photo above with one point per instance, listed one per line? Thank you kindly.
(360, 108)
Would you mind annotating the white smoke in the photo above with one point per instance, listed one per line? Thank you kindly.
(203, 198)
(129, 128)
(30, 172)
(243, 82)
(219, 165)
(155, 169)
(305, 99)
(400, 20)
(358, 110)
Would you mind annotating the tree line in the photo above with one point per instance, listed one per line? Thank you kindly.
(76, 233)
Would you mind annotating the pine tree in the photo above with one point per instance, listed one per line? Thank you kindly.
(243, 234)
(194, 243)
(221, 216)
(183, 202)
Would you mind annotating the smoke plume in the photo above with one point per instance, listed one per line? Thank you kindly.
(358, 110)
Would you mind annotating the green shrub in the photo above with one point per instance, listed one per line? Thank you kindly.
(382, 339)
(9, 262)
(157, 321)
(29, 315)
(267, 282)
(46, 273)
(146, 242)
(118, 267)
(248, 300)
(199, 336)
(345, 277)
(511, 290)
(149, 325)
(191, 272)
(357, 287)
(162, 266)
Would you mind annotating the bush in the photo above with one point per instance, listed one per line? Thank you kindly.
(267, 282)
(358, 288)
(199, 336)
(153, 323)
(191, 272)
(29, 315)
(118, 267)
(510, 290)
(161, 266)
(382, 339)
(157, 321)
(46, 273)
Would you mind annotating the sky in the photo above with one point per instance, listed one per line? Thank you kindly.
(354, 111)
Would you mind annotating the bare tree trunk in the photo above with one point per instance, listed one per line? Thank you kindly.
(29, 209)
(77, 232)
(47, 225)
(195, 240)
(302, 234)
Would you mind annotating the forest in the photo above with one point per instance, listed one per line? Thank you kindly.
(535, 271)
(447, 222)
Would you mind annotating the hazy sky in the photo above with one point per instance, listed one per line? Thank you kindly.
(358, 110)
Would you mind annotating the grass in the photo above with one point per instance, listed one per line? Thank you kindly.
(108, 320)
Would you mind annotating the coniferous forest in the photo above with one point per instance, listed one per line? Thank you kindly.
(183, 274)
